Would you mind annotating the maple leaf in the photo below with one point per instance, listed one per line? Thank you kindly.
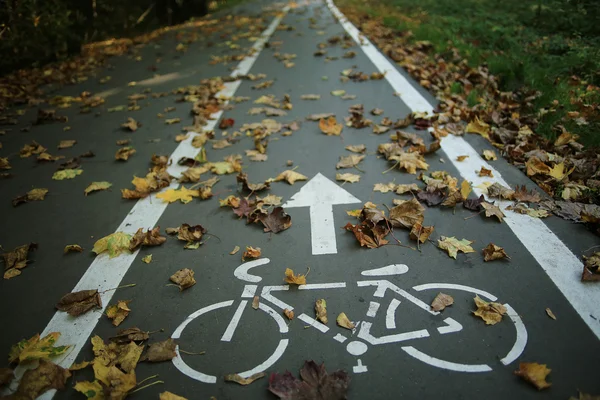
(558, 172)
(94, 186)
(184, 278)
(251, 253)
(244, 381)
(182, 194)
(270, 200)
(536, 166)
(39, 380)
(535, 374)
(385, 187)
(16, 260)
(343, 321)
(124, 153)
(410, 162)
(276, 221)
(78, 303)
(349, 161)
(293, 279)
(115, 244)
(441, 301)
(407, 214)
(474, 204)
(131, 124)
(230, 201)
(32, 195)
(222, 168)
(492, 210)
(91, 390)
(493, 252)
(144, 186)
(150, 238)
(453, 199)
(452, 245)
(66, 174)
(490, 312)
(347, 177)
(420, 233)
(252, 187)
(118, 312)
(521, 194)
(405, 188)
(479, 127)
(316, 384)
(359, 148)
(321, 310)
(36, 348)
(161, 351)
(432, 196)
(367, 235)
(115, 383)
(190, 234)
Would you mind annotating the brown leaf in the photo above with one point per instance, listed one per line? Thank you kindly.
(276, 221)
(485, 172)
(441, 301)
(491, 313)
(65, 144)
(189, 233)
(330, 126)
(78, 303)
(550, 314)
(118, 312)
(474, 204)
(497, 190)
(432, 196)
(293, 279)
(591, 268)
(410, 162)
(251, 253)
(29, 149)
(130, 335)
(41, 379)
(492, 210)
(289, 314)
(349, 161)
(493, 252)
(32, 195)
(319, 117)
(6, 376)
(407, 214)
(359, 148)
(170, 396)
(184, 278)
(16, 260)
(535, 374)
(521, 194)
(255, 302)
(124, 153)
(150, 238)
(290, 177)
(131, 124)
(226, 123)
(244, 381)
(343, 321)
(316, 384)
(385, 187)
(161, 351)
(368, 235)
(321, 310)
(420, 233)
(251, 187)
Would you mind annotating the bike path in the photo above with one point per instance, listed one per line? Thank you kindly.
(567, 345)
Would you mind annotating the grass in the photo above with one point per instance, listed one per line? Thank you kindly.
(536, 44)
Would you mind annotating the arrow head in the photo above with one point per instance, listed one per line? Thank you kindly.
(320, 190)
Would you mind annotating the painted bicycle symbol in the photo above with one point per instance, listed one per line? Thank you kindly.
(361, 335)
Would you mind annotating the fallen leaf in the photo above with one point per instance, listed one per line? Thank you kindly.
(359, 148)
(130, 335)
(44, 377)
(536, 166)
(385, 187)
(182, 194)
(184, 278)
(252, 187)
(321, 310)
(78, 303)
(170, 396)
(420, 233)
(32, 195)
(310, 97)
(522, 194)
(349, 161)
(294, 279)
(118, 312)
(244, 381)
(410, 162)
(318, 117)
(171, 121)
(251, 253)
(535, 374)
(66, 174)
(29, 149)
(131, 124)
(491, 313)
(559, 172)
(405, 188)
(161, 351)
(452, 245)
(493, 252)
(316, 384)
(343, 321)
(497, 190)
(226, 123)
(147, 259)
(591, 268)
(153, 182)
(330, 126)
(441, 301)
(550, 314)
(465, 189)
(351, 178)
(94, 186)
(124, 153)
(115, 244)
(48, 157)
(235, 250)
(489, 155)
(270, 200)
(91, 390)
(492, 210)
(6, 376)
(36, 348)
(338, 93)
(4, 163)
(289, 314)
(65, 144)
(407, 214)
(16, 259)
(479, 127)
(485, 172)
(461, 158)
(432, 196)
(276, 221)
(149, 238)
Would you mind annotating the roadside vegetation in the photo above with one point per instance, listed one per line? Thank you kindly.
(550, 46)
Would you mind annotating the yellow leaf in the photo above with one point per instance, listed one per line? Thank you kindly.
(478, 126)
(290, 177)
(461, 158)
(491, 313)
(183, 194)
(97, 186)
(347, 177)
(465, 189)
(343, 321)
(118, 312)
(452, 245)
(66, 174)
(330, 126)
(147, 259)
(115, 243)
(536, 166)
(558, 172)
(222, 168)
(493, 252)
(321, 310)
(410, 162)
(36, 348)
(535, 374)
(485, 172)
(294, 279)
(385, 187)
(170, 396)
(91, 390)
(489, 155)
(354, 213)
(72, 248)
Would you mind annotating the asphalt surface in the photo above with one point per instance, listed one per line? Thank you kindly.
(66, 216)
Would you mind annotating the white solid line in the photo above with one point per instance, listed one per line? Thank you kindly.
(315, 286)
(373, 308)
(394, 269)
(521, 340)
(313, 322)
(106, 273)
(189, 371)
(555, 258)
(436, 362)
(451, 326)
(340, 338)
(235, 320)
(364, 333)
(283, 328)
(390, 315)
(269, 361)
(320, 195)
(266, 295)
(455, 286)
(196, 314)
(249, 291)
(382, 286)
(241, 272)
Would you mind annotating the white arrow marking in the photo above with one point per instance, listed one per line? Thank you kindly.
(320, 194)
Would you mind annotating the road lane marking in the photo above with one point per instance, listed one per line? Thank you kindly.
(390, 314)
(321, 194)
(436, 362)
(556, 259)
(235, 320)
(106, 273)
